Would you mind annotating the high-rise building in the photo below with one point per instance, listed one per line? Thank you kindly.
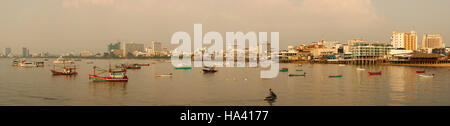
(406, 40)
(432, 41)
(156, 46)
(25, 52)
(7, 51)
(131, 48)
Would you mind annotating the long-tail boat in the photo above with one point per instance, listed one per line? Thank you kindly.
(113, 76)
(284, 70)
(420, 71)
(209, 70)
(333, 76)
(375, 73)
(66, 71)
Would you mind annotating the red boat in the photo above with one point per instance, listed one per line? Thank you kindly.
(114, 76)
(420, 71)
(133, 67)
(375, 73)
(143, 64)
(67, 71)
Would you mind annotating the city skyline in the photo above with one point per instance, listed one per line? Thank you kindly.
(79, 25)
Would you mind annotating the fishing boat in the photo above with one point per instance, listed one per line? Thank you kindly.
(426, 75)
(164, 75)
(61, 60)
(143, 64)
(183, 67)
(297, 74)
(113, 76)
(27, 64)
(332, 76)
(209, 70)
(134, 66)
(17, 62)
(375, 73)
(284, 70)
(300, 65)
(420, 71)
(66, 71)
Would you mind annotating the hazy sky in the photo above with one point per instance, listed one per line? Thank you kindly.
(74, 25)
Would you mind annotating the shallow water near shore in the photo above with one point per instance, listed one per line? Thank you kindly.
(398, 85)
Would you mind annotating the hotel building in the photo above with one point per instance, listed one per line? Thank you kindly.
(432, 41)
(406, 40)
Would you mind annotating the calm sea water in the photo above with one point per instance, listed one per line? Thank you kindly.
(398, 85)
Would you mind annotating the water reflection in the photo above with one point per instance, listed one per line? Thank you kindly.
(110, 89)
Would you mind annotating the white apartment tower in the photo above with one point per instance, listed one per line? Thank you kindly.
(406, 40)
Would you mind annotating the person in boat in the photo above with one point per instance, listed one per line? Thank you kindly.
(271, 94)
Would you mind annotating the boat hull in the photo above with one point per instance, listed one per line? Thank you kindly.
(332, 76)
(420, 71)
(107, 79)
(374, 73)
(133, 67)
(183, 68)
(63, 73)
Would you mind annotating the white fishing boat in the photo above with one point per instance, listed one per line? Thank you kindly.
(426, 75)
(61, 60)
(27, 64)
(164, 75)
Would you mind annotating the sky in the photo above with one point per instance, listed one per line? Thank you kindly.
(60, 26)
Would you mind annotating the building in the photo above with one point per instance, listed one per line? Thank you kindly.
(156, 46)
(369, 50)
(129, 49)
(432, 41)
(86, 54)
(25, 52)
(7, 51)
(406, 40)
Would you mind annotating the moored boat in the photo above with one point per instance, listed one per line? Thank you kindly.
(66, 71)
(113, 76)
(332, 76)
(27, 64)
(375, 73)
(183, 67)
(360, 69)
(420, 71)
(143, 64)
(164, 75)
(297, 74)
(298, 70)
(284, 70)
(426, 75)
(61, 60)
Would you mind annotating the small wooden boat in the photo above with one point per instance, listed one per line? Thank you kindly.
(300, 65)
(375, 73)
(420, 71)
(183, 67)
(127, 66)
(27, 64)
(332, 76)
(284, 70)
(164, 75)
(360, 69)
(209, 69)
(66, 71)
(17, 62)
(114, 76)
(297, 74)
(298, 70)
(426, 75)
(133, 67)
(143, 64)
(270, 98)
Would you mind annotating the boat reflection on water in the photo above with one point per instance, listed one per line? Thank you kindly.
(66, 77)
(99, 88)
